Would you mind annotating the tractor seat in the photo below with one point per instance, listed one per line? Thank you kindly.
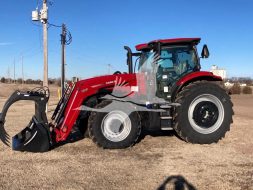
(182, 68)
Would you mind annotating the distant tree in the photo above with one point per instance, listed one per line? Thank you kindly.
(58, 82)
(247, 90)
(19, 80)
(245, 80)
(51, 81)
(3, 80)
(29, 81)
(8, 80)
(39, 82)
(236, 89)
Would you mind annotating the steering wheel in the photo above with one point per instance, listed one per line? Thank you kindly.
(117, 73)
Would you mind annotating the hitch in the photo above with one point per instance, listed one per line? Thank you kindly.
(36, 136)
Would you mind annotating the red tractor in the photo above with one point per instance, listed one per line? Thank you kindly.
(163, 90)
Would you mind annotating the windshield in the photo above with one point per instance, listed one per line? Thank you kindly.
(146, 60)
(177, 59)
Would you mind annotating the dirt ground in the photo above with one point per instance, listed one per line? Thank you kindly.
(157, 162)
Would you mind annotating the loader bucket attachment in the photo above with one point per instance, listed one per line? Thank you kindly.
(4, 137)
(34, 138)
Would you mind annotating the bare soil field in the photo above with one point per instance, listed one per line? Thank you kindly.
(156, 162)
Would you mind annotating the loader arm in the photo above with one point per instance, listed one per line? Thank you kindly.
(70, 109)
(76, 97)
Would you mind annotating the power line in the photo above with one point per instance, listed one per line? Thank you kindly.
(69, 38)
(54, 25)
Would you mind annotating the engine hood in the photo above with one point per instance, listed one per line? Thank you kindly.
(125, 82)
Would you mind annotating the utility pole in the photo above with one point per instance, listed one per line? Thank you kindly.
(22, 62)
(14, 70)
(63, 43)
(44, 18)
(9, 74)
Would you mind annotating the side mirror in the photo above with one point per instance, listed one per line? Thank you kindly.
(205, 52)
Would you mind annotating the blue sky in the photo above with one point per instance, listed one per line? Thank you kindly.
(101, 28)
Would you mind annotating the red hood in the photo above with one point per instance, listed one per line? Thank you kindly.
(107, 80)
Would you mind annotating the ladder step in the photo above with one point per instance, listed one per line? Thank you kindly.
(165, 106)
(166, 128)
(166, 117)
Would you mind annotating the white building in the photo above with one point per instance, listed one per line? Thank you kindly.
(219, 72)
(228, 84)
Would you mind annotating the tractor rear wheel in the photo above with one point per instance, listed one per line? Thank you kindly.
(205, 113)
(117, 128)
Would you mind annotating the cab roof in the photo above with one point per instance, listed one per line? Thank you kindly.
(168, 41)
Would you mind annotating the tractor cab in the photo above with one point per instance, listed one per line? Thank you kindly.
(167, 61)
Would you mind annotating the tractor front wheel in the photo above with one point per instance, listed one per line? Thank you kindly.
(114, 127)
(205, 113)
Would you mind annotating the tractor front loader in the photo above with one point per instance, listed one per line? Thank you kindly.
(36, 136)
(163, 90)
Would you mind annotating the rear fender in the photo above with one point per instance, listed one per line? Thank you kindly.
(192, 77)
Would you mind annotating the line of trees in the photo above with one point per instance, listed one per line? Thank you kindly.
(237, 89)
(241, 80)
(55, 81)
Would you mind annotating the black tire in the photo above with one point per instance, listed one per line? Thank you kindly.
(97, 130)
(205, 113)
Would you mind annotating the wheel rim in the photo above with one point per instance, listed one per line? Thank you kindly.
(116, 126)
(206, 114)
